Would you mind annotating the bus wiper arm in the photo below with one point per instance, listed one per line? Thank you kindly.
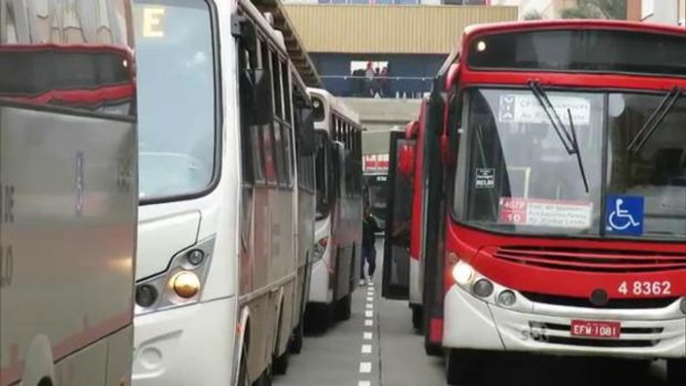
(655, 119)
(547, 106)
(578, 151)
(569, 141)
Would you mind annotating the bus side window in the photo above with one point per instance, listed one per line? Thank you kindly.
(267, 135)
(251, 152)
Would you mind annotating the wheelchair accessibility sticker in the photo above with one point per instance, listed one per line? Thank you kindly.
(624, 215)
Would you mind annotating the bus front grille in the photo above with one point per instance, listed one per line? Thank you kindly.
(625, 304)
(592, 260)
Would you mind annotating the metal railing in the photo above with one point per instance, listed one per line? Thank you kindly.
(385, 87)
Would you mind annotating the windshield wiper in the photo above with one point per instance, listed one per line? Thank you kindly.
(578, 151)
(653, 122)
(569, 141)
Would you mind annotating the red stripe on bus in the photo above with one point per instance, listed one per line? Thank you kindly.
(70, 345)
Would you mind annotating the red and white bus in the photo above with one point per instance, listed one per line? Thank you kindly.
(555, 190)
(227, 192)
(338, 229)
(68, 194)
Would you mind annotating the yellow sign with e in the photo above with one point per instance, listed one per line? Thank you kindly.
(152, 22)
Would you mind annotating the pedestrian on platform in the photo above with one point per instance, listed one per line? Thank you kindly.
(369, 229)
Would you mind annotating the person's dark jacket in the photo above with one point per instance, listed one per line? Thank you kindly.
(370, 227)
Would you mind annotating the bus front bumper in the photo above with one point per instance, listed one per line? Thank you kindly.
(186, 346)
(472, 323)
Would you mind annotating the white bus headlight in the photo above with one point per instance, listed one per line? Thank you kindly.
(463, 273)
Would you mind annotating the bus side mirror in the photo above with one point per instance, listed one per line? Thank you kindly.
(257, 84)
(308, 145)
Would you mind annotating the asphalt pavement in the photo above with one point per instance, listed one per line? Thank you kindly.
(378, 347)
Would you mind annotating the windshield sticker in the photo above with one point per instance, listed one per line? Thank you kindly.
(521, 108)
(624, 215)
(548, 213)
(485, 178)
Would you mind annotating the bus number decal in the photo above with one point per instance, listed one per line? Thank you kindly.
(645, 288)
(152, 20)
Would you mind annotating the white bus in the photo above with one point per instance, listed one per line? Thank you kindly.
(217, 277)
(338, 230)
(68, 194)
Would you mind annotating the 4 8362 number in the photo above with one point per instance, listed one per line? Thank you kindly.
(645, 288)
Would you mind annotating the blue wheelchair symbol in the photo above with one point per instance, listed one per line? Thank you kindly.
(624, 215)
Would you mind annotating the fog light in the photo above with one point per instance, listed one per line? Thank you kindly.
(483, 288)
(507, 298)
(463, 273)
(683, 305)
(196, 257)
(186, 284)
(146, 295)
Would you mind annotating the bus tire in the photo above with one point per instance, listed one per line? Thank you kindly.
(295, 345)
(318, 318)
(418, 319)
(243, 377)
(433, 349)
(676, 372)
(280, 366)
(462, 368)
(343, 308)
(266, 378)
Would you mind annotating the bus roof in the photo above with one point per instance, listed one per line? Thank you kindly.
(480, 29)
(336, 104)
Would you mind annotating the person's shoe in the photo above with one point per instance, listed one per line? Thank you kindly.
(363, 283)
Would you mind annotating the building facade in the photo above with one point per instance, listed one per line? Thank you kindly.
(385, 51)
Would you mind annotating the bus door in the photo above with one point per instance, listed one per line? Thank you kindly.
(396, 266)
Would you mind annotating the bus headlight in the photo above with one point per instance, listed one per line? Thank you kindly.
(181, 284)
(463, 273)
(146, 295)
(186, 284)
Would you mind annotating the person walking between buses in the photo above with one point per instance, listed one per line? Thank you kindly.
(369, 229)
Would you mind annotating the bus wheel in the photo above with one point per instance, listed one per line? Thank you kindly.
(418, 319)
(243, 377)
(317, 318)
(295, 345)
(343, 308)
(676, 372)
(462, 368)
(280, 366)
(433, 349)
(266, 378)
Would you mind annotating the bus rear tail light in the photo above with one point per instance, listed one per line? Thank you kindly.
(180, 284)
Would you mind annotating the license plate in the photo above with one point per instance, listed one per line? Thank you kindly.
(596, 329)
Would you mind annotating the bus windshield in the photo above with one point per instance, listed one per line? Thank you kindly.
(519, 177)
(176, 97)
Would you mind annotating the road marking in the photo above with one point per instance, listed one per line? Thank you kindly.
(366, 349)
(369, 322)
(364, 383)
(365, 367)
(371, 284)
(369, 313)
(370, 299)
(370, 305)
(368, 335)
